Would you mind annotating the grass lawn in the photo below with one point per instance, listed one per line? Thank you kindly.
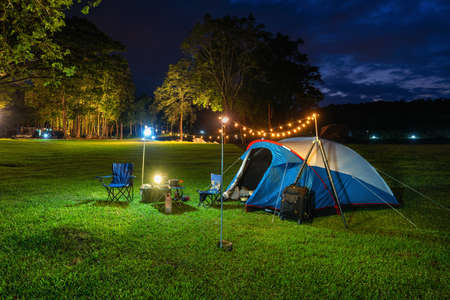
(60, 238)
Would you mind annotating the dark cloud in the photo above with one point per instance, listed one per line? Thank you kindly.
(366, 50)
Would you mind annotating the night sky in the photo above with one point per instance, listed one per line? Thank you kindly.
(366, 50)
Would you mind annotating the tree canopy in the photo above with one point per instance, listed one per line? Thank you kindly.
(100, 90)
(244, 70)
(175, 97)
(27, 40)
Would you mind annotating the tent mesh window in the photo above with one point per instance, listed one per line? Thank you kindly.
(257, 164)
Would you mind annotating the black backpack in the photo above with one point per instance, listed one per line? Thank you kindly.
(296, 204)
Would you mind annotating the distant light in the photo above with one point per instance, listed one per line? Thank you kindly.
(373, 137)
(202, 132)
(225, 119)
(153, 137)
(45, 135)
(157, 179)
(147, 131)
(412, 137)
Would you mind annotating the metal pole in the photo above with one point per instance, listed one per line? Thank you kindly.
(327, 167)
(304, 163)
(221, 190)
(143, 160)
(315, 123)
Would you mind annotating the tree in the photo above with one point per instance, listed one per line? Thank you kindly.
(175, 97)
(94, 98)
(27, 41)
(222, 51)
(244, 70)
(286, 84)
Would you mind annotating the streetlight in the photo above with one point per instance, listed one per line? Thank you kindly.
(224, 120)
(147, 133)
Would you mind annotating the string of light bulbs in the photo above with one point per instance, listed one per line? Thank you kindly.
(288, 129)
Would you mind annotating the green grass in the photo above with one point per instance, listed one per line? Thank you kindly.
(60, 239)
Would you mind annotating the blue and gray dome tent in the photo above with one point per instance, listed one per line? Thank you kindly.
(268, 167)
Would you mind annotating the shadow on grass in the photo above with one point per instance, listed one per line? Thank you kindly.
(229, 205)
(120, 204)
(398, 192)
(12, 165)
(73, 243)
(101, 203)
(79, 203)
(178, 208)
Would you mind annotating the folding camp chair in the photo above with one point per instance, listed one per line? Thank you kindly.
(210, 196)
(122, 182)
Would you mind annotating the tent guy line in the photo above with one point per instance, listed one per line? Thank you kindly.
(414, 190)
(396, 210)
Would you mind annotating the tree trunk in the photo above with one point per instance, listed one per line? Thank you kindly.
(64, 118)
(104, 132)
(130, 133)
(78, 132)
(181, 127)
(98, 123)
(121, 130)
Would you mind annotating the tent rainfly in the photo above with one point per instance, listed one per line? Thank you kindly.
(268, 167)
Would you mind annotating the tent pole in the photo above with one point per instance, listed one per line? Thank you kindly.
(327, 167)
(221, 185)
(143, 160)
(304, 163)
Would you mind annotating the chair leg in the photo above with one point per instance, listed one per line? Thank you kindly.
(117, 193)
(132, 193)
(208, 201)
(217, 199)
(109, 194)
(129, 196)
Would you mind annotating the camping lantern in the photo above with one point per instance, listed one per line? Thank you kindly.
(157, 179)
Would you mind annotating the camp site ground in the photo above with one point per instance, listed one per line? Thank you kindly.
(60, 238)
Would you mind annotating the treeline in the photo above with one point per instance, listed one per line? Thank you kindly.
(94, 98)
(73, 78)
(63, 73)
(425, 118)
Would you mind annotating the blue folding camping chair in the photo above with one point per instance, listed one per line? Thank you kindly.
(210, 196)
(122, 182)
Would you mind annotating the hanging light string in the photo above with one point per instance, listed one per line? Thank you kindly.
(292, 128)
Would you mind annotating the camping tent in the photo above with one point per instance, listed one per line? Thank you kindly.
(268, 167)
